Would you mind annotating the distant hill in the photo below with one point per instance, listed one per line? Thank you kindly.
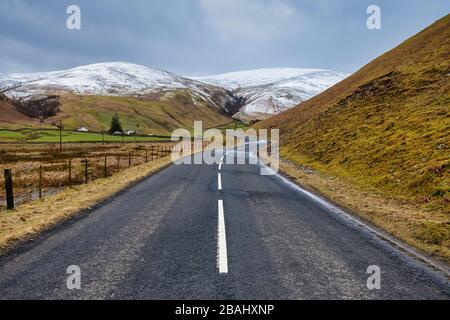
(148, 100)
(106, 79)
(159, 114)
(387, 126)
(156, 100)
(266, 92)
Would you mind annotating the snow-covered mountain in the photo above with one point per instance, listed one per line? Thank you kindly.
(247, 95)
(271, 91)
(107, 79)
(256, 77)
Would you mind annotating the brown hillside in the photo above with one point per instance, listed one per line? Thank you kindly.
(385, 127)
(154, 114)
(10, 115)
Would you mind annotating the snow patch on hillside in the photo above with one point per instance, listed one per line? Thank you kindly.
(257, 77)
(271, 91)
(114, 78)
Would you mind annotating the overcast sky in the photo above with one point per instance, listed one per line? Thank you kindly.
(199, 37)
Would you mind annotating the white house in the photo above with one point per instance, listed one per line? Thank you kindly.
(130, 132)
(83, 129)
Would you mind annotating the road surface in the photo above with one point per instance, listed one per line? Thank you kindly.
(188, 233)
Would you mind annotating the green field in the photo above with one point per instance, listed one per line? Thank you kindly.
(52, 136)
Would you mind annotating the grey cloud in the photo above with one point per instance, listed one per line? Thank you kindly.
(205, 36)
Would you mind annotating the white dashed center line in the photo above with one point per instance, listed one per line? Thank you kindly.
(222, 255)
(219, 181)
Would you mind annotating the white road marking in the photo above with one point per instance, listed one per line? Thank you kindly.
(219, 181)
(220, 166)
(222, 255)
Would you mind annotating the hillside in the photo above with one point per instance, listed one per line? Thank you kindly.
(10, 116)
(256, 77)
(265, 92)
(173, 99)
(148, 100)
(158, 114)
(106, 79)
(386, 127)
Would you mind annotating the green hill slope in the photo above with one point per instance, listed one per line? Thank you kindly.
(158, 114)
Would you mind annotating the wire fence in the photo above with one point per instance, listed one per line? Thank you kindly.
(36, 179)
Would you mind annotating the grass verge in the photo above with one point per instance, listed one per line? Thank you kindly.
(52, 136)
(35, 217)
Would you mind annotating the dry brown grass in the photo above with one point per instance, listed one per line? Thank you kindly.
(25, 161)
(34, 217)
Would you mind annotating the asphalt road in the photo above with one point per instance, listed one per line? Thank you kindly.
(168, 238)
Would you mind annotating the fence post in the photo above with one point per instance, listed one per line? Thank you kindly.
(146, 155)
(70, 173)
(106, 166)
(9, 189)
(129, 159)
(40, 182)
(60, 136)
(86, 173)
